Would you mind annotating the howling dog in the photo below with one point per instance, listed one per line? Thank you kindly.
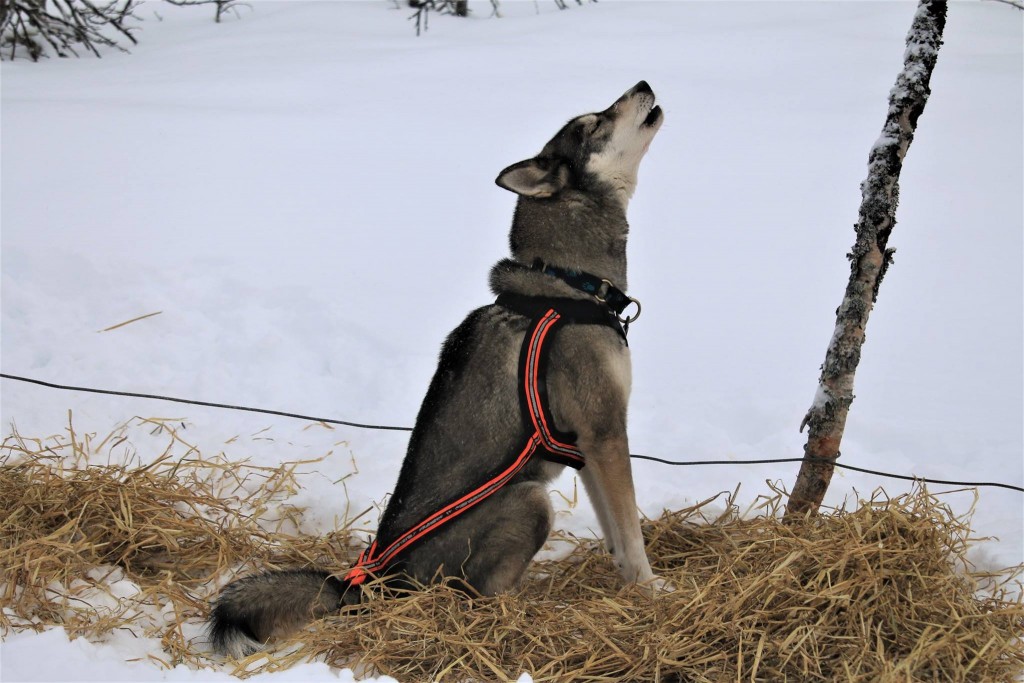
(537, 381)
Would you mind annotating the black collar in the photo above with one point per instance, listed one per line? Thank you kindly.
(602, 289)
(579, 311)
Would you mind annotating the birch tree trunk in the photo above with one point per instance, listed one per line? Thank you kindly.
(869, 259)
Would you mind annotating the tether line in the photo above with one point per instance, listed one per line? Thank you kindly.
(359, 425)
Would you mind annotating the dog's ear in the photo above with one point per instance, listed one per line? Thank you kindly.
(537, 177)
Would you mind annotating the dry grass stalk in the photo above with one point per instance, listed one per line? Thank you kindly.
(94, 548)
(880, 593)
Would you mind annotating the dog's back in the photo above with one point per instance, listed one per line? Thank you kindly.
(468, 430)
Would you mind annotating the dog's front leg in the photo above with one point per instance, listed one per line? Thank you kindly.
(608, 479)
(589, 384)
(596, 496)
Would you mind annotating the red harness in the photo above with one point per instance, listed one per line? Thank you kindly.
(553, 445)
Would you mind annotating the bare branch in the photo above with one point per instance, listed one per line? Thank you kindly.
(67, 26)
(458, 8)
(1011, 3)
(29, 25)
(222, 6)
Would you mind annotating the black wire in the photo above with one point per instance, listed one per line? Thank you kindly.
(204, 403)
(833, 463)
(678, 463)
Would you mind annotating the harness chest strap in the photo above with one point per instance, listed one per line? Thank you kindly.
(558, 446)
(553, 444)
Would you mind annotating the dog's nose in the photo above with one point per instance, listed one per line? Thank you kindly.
(643, 87)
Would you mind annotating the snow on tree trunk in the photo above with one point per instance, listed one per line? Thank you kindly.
(869, 259)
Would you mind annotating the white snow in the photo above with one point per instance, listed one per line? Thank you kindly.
(305, 193)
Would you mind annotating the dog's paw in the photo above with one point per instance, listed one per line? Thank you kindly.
(659, 586)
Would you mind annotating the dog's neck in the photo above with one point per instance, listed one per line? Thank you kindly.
(574, 232)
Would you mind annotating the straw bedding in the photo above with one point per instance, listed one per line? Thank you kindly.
(879, 593)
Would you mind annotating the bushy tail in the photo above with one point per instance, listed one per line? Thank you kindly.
(252, 610)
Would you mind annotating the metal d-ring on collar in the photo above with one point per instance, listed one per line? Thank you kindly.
(629, 319)
(625, 320)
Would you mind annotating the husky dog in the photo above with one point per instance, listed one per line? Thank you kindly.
(511, 403)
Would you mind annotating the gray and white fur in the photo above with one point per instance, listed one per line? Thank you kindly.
(571, 213)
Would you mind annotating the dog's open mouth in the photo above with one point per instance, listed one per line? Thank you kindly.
(654, 117)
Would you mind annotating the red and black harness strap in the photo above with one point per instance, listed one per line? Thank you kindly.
(547, 315)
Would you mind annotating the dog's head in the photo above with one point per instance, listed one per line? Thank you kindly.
(596, 154)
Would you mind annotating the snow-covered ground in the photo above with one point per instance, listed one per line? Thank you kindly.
(305, 193)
